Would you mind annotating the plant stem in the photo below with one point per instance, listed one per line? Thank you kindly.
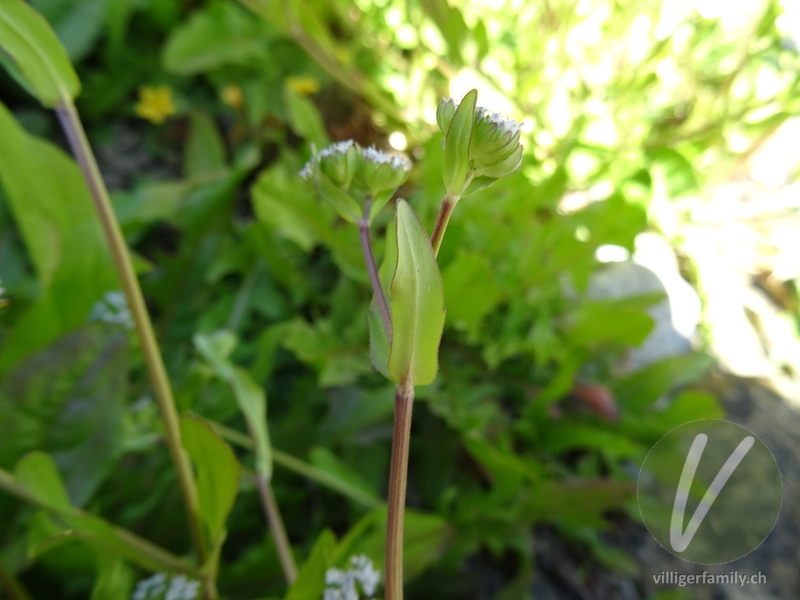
(448, 204)
(142, 551)
(73, 128)
(398, 477)
(372, 270)
(10, 584)
(300, 467)
(273, 515)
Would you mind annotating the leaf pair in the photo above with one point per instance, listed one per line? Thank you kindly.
(417, 303)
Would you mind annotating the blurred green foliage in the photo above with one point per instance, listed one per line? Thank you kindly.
(628, 106)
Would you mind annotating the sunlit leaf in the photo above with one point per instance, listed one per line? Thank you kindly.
(32, 53)
(417, 297)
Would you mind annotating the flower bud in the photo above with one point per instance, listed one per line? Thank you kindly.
(345, 174)
(381, 174)
(332, 171)
(494, 149)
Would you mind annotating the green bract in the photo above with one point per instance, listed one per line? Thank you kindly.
(346, 175)
(417, 303)
(480, 150)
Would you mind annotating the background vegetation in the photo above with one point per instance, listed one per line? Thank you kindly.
(202, 115)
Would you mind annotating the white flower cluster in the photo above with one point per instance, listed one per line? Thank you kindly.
(505, 124)
(2, 290)
(342, 584)
(113, 308)
(371, 154)
(159, 587)
(379, 157)
(337, 148)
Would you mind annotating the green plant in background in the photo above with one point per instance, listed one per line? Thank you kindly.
(38, 62)
(479, 148)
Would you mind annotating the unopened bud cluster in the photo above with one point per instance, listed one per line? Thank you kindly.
(349, 176)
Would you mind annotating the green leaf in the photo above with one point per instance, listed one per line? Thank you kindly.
(249, 395)
(425, 536)
(58, 223)
(310, 582)
(217, 474)
(37, 480)
(304, 119)
(77, 23)
(379, 344)
(32, 53)
(456, 144)
(327, 461)
(577, 502)
(223, 34)
(611, 321)
(417, 300)
(337, 354)
(38, 474)
(640, 389)
(471, 286)
(205, 151)
(114, 578)
(69, 400)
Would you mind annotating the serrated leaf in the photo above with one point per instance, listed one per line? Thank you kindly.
(417, 298)
(217, 473)
(33, 55)
(456, 144)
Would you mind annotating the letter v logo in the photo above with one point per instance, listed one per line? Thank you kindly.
(679, 538)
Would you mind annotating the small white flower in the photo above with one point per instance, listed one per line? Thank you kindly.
(365, 573)
(150, 588)
(342, 584)
(160, 587)
(113, 308)
(382, 158)
(482, 113)
(506, 124)
(182, 588)
(337, 148)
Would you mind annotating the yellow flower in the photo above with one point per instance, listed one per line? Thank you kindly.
(155, 103)
(232, 96)
(304, 85)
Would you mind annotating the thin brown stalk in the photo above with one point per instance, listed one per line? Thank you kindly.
(278, 530)
(73, 128)
(398, 477)
(372, 270)
(448, 204)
